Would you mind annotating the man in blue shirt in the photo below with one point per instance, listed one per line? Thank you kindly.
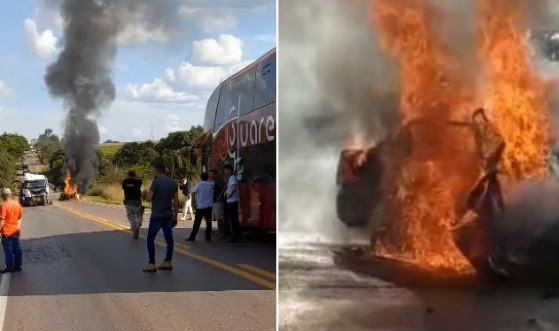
(203, 195)
(164, 198)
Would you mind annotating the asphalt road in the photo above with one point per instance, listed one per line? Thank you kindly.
(83, 271)
(318, 293)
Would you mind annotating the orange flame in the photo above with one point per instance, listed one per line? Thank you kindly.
(517, 96)
(443, 165)
(69, 189)
(430, 181)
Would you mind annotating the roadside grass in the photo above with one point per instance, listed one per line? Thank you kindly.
(95, 198)
(109, 150)
(113, 194)
(109, 192)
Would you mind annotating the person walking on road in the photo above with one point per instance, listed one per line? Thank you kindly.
(11, 214)
(185, 188)
(203, 193)
(219, 201)
(232, 205)
(164, 198)
(133, 202)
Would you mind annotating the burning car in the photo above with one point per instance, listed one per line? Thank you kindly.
(370, 195)
(70, 190)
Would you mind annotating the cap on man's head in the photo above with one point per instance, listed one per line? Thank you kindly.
(6, 192)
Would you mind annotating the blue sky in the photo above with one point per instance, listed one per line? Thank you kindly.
(163, 79)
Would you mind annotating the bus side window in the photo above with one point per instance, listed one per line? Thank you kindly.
(211, 108)
(240, 95)
(265, 89)
(259, 163)
(221, 109)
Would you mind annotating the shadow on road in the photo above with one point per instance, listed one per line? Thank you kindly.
(111, 262)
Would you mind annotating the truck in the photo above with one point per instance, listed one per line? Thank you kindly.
(33, 190)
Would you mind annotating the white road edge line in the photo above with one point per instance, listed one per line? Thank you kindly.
(4, 288)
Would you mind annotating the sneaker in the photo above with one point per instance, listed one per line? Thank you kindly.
(18, 269)
(150, 268)
(166, 265)
(135, 233)
(190, 239)
(6, 270)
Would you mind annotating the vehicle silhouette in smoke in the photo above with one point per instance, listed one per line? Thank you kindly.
(362, 195)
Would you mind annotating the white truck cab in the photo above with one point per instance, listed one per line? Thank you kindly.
(34, 190)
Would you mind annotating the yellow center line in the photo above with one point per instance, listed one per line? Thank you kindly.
(182, 249)
(258, 271)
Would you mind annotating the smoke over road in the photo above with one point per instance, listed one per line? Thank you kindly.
(81, 76)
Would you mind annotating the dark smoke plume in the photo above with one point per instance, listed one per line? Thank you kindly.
(82, 74)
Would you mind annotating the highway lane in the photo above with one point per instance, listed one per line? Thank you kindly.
(318, 293)
(80, 274)
(259, 252)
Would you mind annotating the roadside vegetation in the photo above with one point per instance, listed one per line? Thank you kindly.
(115, 159)
(12, 147)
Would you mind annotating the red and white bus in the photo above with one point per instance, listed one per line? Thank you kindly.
(240, 129)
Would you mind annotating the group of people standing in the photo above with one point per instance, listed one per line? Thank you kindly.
(215, 200)
(219, 201)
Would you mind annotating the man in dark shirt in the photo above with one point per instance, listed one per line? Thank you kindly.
(133, 202)
(164, 198)
(219, 203)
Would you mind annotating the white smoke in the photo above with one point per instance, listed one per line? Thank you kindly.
(334, 82)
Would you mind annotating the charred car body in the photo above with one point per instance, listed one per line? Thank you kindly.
(363, 194)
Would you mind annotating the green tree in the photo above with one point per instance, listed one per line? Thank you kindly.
(47, 145)
(14, 144)
(131, 154)
(180, 140)
(12, 147)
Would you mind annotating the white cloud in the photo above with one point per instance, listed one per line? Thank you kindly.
(219, 23)
(49, 16)
(4, 90)
(135, 33)
(228, 50)
(137, 133)
(265, 38)
(4, 113)
(230, 5)
(200, 77)
(158, 91)
(170, 74)
(173, 123)
(103, 129)
(43, 43)
(148, 116)
(206, 77)
(210, 20)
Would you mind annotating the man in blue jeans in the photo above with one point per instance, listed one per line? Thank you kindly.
(164, 199)
(11, 214)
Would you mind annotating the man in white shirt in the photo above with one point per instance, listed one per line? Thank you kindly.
(232, 205)
(203, 195)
